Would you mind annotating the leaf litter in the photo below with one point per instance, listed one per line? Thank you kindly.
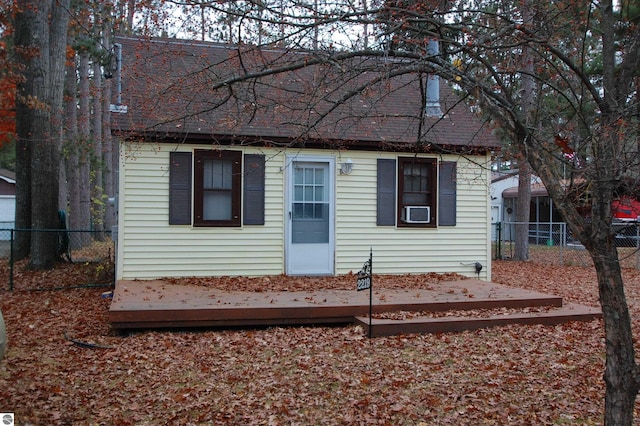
(304, 375)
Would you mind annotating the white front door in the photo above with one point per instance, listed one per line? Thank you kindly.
(310, 216)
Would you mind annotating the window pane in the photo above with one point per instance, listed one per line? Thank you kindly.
(216, 205)
(312, 231)
(319, 180)
(298, 176)
(217, 174)
(415, 199)
(308, 175)
(308, 193)
(408, 178)
(308, 211)
(297, 193)
(416, 177)
(297, 210)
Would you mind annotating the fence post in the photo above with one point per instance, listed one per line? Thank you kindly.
(11, 260)
(499, 238)
(561, 242)
(638, 243)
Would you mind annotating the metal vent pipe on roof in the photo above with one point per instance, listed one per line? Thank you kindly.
(432, 107)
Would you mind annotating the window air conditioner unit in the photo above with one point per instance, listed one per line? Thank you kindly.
(417, 214)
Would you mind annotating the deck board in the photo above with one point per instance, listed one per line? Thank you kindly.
(157, 304)
(388, 327)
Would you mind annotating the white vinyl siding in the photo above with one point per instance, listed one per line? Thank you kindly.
(148, 247)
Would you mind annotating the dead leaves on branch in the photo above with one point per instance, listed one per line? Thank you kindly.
(303, 375)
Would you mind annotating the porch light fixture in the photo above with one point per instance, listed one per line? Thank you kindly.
(347, 167)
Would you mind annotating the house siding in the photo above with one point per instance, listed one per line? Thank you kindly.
(411, 250)
(148, 247)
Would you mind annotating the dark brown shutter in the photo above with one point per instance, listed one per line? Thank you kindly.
(253, 212)
(447, 195)
(180, 188)
(386, 192)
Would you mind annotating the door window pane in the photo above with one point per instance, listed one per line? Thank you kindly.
(308, 211)
(298, 176)
(308, 176)
(308, 193)
(313, 228)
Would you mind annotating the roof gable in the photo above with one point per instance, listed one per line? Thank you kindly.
(197, 90)
(8, 176)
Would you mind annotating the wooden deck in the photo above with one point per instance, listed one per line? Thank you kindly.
(156, 304)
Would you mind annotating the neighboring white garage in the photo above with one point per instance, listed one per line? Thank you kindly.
(7, 203)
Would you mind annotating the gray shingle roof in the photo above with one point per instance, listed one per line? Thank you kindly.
(196, 90)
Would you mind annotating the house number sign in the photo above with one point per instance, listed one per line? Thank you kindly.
(364, 278)
(364, 283)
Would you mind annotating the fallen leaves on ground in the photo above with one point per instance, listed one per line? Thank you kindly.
(473, 313)
(293, 283)
(303, 375)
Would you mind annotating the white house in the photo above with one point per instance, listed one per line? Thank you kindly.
(499, 182)
(504, 192)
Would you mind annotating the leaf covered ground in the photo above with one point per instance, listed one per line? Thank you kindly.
(520, 375)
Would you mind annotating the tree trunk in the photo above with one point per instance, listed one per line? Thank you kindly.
(523, 205)
(60, 24)
(84, 147)
(71, 154)
(97, 195)
(41, 29)
(130, 15)
(44, 194)
(24, 41)
(63, 189)
(620, 371)
(45, 160)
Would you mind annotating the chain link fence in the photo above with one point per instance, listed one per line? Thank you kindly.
(552, 243)
(85, 258)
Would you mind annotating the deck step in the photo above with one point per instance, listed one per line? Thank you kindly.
(447, 324)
